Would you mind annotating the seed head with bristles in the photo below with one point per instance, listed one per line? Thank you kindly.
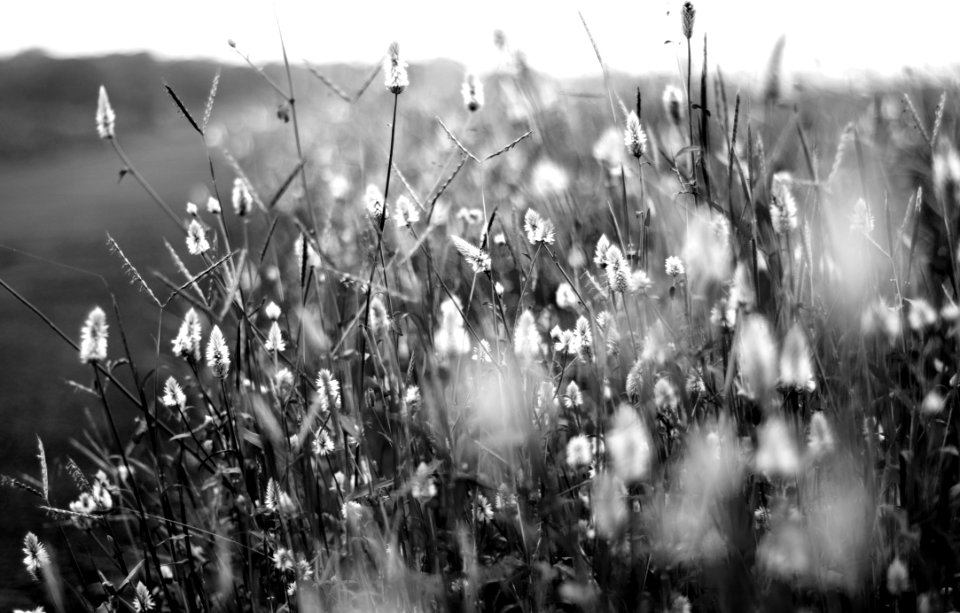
(405, 212)
(218, 355)
(187, 342)
(93, 337)
(395, 77)
(35, 555)
(478, 259)
(688, 15)
(106, 118)
(197, 243)
(241, 197)
(539, 230)
(634, 137)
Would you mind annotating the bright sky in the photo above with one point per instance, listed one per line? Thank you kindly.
(834, 37)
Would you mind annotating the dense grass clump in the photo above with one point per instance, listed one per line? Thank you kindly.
(539, 353)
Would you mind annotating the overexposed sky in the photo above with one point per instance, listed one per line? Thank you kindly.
(835, 37)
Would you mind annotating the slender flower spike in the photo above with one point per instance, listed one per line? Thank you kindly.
(35, 555)
(395, 77)
(93, 337)
(688, 15)
(783, 207)
(213, 206)
(187, 342)
(405, 212)
(106, 118)
(579, 451)
(142, 600)
(600, 255)
(538, 229)
(796, 362)
(275, 340)
(218, 355)
(618, 271)
(192, 209)
(478, 259)
(197, 243)
(526, 340)
(634, 137)
(241, 197)
(472, 92)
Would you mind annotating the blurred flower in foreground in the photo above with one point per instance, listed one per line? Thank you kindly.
(451, 338)
(898, 579)
(579, 451)
(672, 99)
(395, 77)
(608, 499)
(105, 115)
(757, 355)
(526, 340)
(628, 444)
(776, 451)
(820, 441)
(796, 367)
(861, 221)
(566, 297)
(93, 337)
(933, 403)
(674, 266)
(405, 212)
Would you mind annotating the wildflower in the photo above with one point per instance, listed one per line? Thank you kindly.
(796, 368)
(921, 315)
(471, 217)
(187, 342)
(681, 604)
(218, 355)
(579, 451)
(672, 97)
(783, 207)
(395, 77)
(861, 221)
(322, 443)
(241, 197)
(482, 352)
(93, 337)
(36, 556)
(192, 209)
(674, 266)
(142, 600)
(482, 509)
(213, 206)
(352, 511)
(639, 282)
(405, 212)
(478, 259)
(173, 395)
(379, 317)
(573, 397)
(898, 579)
(526, 340)
(566, 297)
(628, 444)
(283, 559)
(933, 403)
(197, 243)
(272, 311)
(820, 441)
(757, 355)
(451, 339)
(776, 452)
(106, 118)
(275, 340)
(608, 499)
(539, 230)
(600, 254)
(634, 137)
(688, 15)
(634, 382)
(618, 271)
(472, 91)
(328, 390)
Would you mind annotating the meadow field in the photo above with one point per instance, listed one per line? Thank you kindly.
(406, 338)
